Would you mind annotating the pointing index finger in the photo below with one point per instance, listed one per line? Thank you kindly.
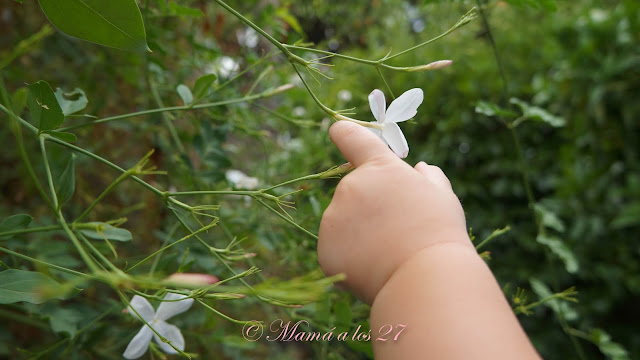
(357, 144)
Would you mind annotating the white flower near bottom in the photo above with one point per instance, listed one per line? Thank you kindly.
(156, 319)
(401, 109)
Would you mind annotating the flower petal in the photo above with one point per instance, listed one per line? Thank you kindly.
(170, 308)
(395, 138)
(139, 344)
(377, 132)
(405, 106)
(172, 333)
(377, 105)
(142, 306)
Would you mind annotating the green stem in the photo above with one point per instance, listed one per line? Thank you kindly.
(202, 229)
(338, 55)
(312, 235)
(104, 161)
(99, 255)
(463, 20)
(30, 230)
(380, 63)
(288, 182)
(97, 200)
(494, 46)
(524, 171)
(54, 196)
(221, 314)
(156, 260)
(17, 132)
(57, 267)
(313, 95)
(493, 235)
(385, 82)
(169, 108)
(88, 261)
(166, 116)
(290, 56)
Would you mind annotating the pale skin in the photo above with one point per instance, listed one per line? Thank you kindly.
(399, 235)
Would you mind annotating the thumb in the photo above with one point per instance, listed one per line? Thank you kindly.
(357, 144)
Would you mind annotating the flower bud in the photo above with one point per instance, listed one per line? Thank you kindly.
(436, 65)
(192, 279)
(279, 89)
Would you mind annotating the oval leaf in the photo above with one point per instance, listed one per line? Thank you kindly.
(104, 231)
(19, 100)
(185, 94)
(29, 286)
(203, 84)
(14, 222)
(538, 113)
(113, 23)
(44, 107)
(71, 102)
(62, 135)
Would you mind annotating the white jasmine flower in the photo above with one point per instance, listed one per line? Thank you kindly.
(140, 343)
(401, 109)
(241, 180)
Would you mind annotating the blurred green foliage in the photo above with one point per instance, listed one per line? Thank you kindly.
(576, 60)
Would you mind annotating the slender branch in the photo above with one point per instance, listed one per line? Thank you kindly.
(296, 225)
(30, 230)
(170, 108)
(53, 266)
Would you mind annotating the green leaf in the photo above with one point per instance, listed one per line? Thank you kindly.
(14, 222)
(21, 285)
(556, 305)
(610, 349)
(548, 218)
(71, 102)
(561, 249)
(185, 94)
(537, 113)
(203, 84)
(342, 312)
(547, 5)
(180, 10)
(19, 99)
(113, 23)
(104, 231)
(44, 108)
(284, 14)
(64, 320)
(66, 184)
(491, 109)
(62, 135)
(628, 216)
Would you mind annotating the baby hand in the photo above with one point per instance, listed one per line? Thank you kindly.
(383, 213)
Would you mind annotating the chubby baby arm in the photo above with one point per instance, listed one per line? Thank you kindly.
(399, 234)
